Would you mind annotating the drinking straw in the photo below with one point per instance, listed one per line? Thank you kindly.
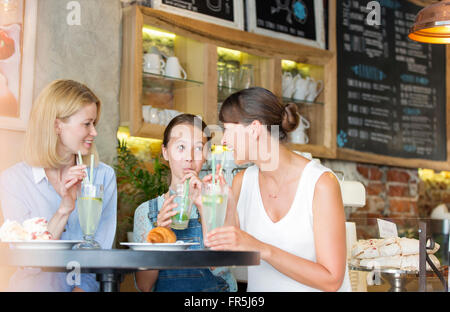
(91, 175)
(80, 162)
(213, 165)
(222, 162)
(186, 195)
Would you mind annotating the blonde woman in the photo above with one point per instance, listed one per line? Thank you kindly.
(62, 122)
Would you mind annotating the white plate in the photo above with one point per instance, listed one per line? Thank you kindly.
(44, 244)
(180, 245)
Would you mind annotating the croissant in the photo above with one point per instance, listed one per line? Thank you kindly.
(161, 235)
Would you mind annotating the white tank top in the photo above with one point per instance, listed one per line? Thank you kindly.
(293, 233)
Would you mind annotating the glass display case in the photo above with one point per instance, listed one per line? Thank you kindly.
(393, 264)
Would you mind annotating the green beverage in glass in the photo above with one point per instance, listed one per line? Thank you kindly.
(89, 204)
(180, 221)
(214, 202)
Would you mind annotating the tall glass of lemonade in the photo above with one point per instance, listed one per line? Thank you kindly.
(214, 205)
(89, 205)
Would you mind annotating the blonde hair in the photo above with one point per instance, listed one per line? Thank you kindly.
(59, 100)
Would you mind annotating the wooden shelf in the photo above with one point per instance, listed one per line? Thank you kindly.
(196, 44)
(301, 102)
(154, 131)
(167, 81)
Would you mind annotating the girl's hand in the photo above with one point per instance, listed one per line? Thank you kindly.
(232, 238)
(166, 213)
(71, 183)
(220, 178)
(195, 188)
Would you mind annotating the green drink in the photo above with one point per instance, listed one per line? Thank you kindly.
(180, 221)
(89, 212)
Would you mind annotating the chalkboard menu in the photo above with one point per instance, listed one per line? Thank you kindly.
(296, 18)
(228, 13)
(300, 21)
(391, 90)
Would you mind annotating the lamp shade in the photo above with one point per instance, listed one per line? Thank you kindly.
(432, 24)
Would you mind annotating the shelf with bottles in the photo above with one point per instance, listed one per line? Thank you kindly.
(237, 70)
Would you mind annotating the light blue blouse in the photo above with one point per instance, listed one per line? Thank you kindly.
(25, 192)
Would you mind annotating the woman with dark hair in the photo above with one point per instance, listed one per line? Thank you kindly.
(285, 206)
(184, 147)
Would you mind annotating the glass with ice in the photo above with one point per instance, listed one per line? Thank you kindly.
(89, 205)
(214, 202)
(180, 221)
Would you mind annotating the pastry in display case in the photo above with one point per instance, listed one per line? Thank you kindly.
(398, 253)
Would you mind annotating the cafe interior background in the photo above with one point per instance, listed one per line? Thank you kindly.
(106, 45)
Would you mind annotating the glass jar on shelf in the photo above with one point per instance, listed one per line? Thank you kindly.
(232, 72)
(246, 76)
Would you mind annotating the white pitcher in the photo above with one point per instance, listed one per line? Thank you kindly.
(301, 88)
(288, 85)
(314, 89)
(303, 123)
(174, 69)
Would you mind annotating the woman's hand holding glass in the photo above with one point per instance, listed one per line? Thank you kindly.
(71, 183)
(233, 238)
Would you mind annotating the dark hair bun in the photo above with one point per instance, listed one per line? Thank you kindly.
(289, 118)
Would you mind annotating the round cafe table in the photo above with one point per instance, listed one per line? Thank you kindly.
(111, 265)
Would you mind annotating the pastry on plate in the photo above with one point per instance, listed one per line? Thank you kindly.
(161, 235)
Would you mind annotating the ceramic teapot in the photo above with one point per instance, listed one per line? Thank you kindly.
(314, 89)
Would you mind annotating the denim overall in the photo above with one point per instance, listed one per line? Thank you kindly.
(187, 280)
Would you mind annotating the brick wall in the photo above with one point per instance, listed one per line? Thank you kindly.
(391, 193)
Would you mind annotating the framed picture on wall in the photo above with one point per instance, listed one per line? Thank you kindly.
(299, 21)
(17, 52)
(229, 13)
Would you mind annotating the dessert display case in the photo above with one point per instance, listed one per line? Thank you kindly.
(400, 263)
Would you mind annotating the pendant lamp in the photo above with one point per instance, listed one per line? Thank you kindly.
(432, 24)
